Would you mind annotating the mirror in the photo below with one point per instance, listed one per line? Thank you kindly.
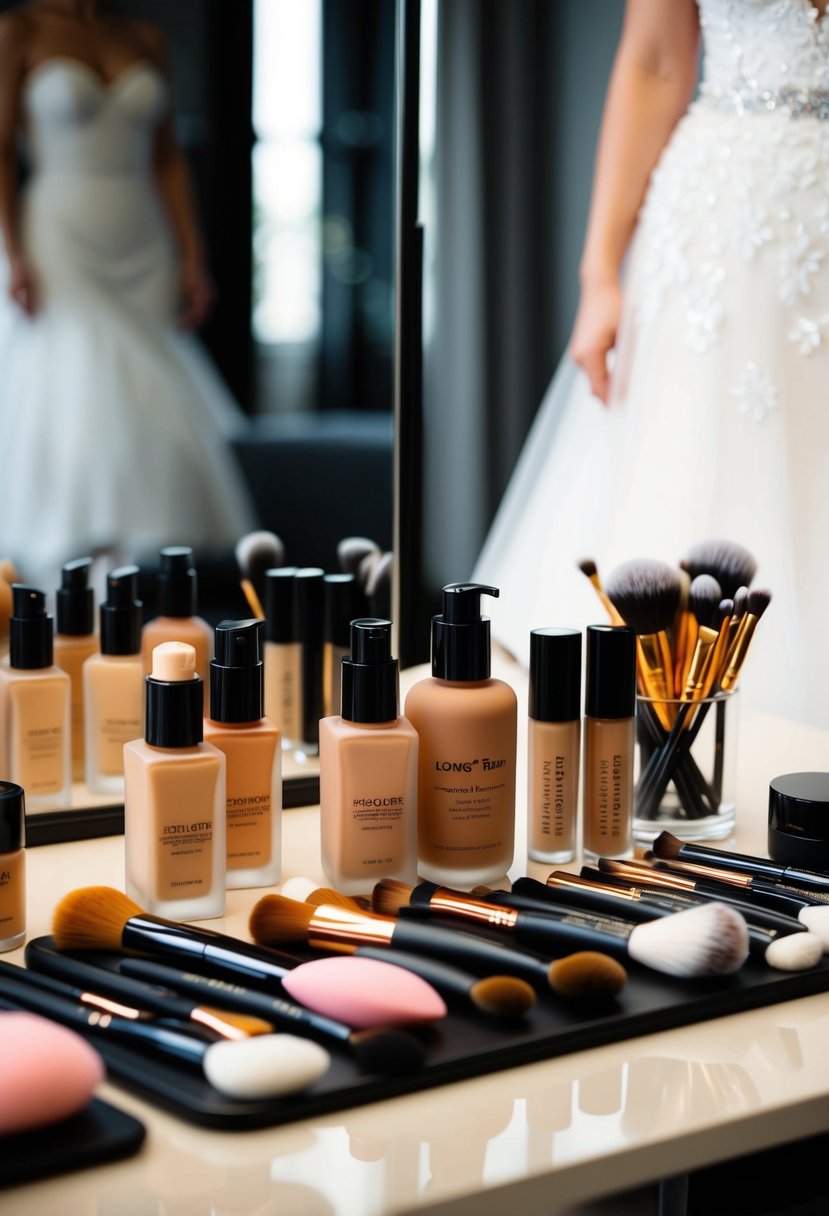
(300, 247)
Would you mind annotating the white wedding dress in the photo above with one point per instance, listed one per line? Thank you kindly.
(113, 424)
(719, 421)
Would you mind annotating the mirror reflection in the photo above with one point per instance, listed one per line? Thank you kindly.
(196, 323)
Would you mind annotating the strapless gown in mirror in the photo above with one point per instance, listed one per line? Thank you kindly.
(113, 424)
(719, 423)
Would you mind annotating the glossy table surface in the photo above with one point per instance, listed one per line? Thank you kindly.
(530, 1139)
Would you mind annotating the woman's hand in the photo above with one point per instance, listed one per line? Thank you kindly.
(196, 295)
(22, 285)
(594, 332)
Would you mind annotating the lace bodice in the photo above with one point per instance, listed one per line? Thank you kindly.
(764, 45)
(74, 122)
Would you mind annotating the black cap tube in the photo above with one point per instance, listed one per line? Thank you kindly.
(555, 675)
(12, 817)
(280, 624)
(30, 629)
(341, 608)
(236, 672)
(369, 676)
(75, 600)
(177, 582)
(611, 671)
(308, 606)
(120, 614)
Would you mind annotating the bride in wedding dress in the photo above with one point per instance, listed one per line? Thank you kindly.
(694, 404)
(113, 424)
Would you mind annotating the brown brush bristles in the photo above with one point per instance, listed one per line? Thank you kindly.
(666, 846)
(92, 918)
(704, 599)
(731, 564)
(646, 593)
(327, 895)
(587, 975)
(758, 601)
(504, 996)
(588, 567)
(390, 895)
(277, 919)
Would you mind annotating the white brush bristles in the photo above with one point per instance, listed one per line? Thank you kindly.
(711, 939)
(794, 952)
(816, 920)
(266, 1067)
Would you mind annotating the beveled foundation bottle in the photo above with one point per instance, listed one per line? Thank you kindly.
(114, 685)
(610, 709)
(368, 771)
(177, 620)
(75, 641)
(35, 707)
(553, 744)
(12, 867)
(282, 656)
(174, 797)
(340, 609)
(467, 725)
(251, 746)
(308, 610)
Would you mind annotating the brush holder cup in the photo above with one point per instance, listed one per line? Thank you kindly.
(686, 767)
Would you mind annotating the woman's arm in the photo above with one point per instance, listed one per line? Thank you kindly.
(173, 181)
(652, 81)
(21, 285)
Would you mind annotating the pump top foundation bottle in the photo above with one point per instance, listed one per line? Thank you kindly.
(553, 744)
(177, 619)
(35, 707)
(250, 743)
(282, 656)
(75, 641)
(609, 736)
(368, 770)
(12, 866)
(467, 725)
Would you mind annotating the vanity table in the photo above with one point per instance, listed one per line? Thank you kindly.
(530, 1139)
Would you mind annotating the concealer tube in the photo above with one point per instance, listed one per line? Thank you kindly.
(308, 607)
(251, 747)
(35, 707)
(75, 641)
(610, 708)
(177, 620)
(340, 609)
(114, 685)
(553, 744)
(282, 656)
(12, 866)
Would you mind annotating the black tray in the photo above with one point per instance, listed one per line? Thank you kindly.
(99, 1133)
(467, 1044)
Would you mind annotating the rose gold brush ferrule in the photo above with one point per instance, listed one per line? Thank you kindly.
(701, 871)
(215, 1022)
(459, 904)
(560, 881)
(700, 660)
(635, 871)
(109, 1006)
(737, 654)
(344, 930)
(655, 670)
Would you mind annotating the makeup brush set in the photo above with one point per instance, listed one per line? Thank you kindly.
(694, 625)
(341, 1000)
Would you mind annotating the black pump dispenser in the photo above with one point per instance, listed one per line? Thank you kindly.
(369, 676)
(237, 672)
(460, 635)
(120, 614)
(177, 582)
(75, 599)
(30, 629)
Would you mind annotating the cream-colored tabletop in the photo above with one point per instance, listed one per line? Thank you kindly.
(531, 1139)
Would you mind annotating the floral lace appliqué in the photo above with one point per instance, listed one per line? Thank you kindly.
(755, 393)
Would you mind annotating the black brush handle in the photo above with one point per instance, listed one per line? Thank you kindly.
(575, 899)
(564, 930)
(216, 951)
(448, 980)
(416, 935)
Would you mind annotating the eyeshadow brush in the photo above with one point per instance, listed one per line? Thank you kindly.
(671, 848)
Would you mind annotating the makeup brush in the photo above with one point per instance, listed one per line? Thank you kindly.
(731, 564)
(392, 1053)
(99, 984)
(277, 919)
(758, 602)
(591, 571)
(257, 552)
(377, 585)
(764, 903)
(352, 549)
(647, 595)
(365, 993)
(765, 940)
(266, 1066)
(671, 848)
(709, 940)
(504, 996)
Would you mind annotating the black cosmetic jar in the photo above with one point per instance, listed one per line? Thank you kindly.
(799, 820)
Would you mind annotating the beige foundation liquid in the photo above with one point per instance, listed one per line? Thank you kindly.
(553, 744)
(177, 620)
(282, 657)
(607, 828)
(250, 744)
(75, 641)
(12, 867)
(368, 771)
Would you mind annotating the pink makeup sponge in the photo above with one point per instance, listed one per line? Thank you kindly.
(47, 1072)
(366, 992)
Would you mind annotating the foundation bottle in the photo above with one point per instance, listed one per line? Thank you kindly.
(251, 747)
(340, 609)
(282, 656)
(114, 685)
(308, 612)
(467, 723)
(553, 744)
(35, 707)
(12, 867)
(368, 771)
(174, 797)
(177, 620)
(75, 641)
(610, 708)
